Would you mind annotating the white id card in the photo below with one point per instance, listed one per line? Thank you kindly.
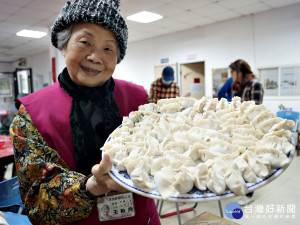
(116, 206)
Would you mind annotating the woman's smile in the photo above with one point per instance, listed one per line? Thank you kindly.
(90, 71)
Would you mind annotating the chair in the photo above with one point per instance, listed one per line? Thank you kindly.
(16, 219)
(292, 115)
(178, 212)
(10, 194)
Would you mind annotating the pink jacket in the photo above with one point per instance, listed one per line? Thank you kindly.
(49, 109)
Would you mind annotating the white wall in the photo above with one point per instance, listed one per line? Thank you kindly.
(40, 65)
(6, 67)
(277, 37)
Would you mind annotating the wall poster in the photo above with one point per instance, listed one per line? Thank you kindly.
(5, 87)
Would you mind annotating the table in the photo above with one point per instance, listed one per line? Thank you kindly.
(6, 154)
(209, 218)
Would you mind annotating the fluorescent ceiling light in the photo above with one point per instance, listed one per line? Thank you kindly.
(31, 33)
(144, 17)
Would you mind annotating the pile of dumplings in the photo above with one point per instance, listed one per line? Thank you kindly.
(182, 143)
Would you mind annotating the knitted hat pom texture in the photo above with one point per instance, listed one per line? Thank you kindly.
(105, 13)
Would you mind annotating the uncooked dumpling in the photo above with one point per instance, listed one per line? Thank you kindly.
(211, 105)
(208, 124)
(247, 173)
(216, 180)
(245, 106)
(140, 177)
(223, 104)
(276, 158)
(235, 181)
(267, 124)
(261, 117)
(276, 143)
(201, 176)
(235, 103)
(285, 124)
(260, 167)
(158, 164)
(184, 181)
(151, 107)
(186, 102)
(253, 111)
(172, 108)
(164, 181)
(199, 105)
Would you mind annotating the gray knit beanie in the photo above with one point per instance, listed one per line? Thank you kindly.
(103, 12)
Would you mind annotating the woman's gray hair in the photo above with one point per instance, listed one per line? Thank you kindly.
(64, 36)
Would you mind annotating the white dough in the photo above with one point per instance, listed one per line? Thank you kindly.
(180, 143)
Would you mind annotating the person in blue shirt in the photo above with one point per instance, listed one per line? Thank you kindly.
(226, 91)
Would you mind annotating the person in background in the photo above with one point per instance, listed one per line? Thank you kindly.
(247, 86)
(164, 87)
(59, 130)
(225, 91)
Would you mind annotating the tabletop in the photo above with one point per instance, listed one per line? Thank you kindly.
(209, 218)
(6, 154)
(7, 148)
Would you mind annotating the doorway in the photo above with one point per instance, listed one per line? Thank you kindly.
(192, 79)
(23, 82)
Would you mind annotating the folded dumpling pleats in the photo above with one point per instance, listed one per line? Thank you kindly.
(180, 143)
(260, 167)
(240, 164)
(164, 181)
(235, 181)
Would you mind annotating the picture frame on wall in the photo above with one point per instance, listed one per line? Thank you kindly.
(6, 87)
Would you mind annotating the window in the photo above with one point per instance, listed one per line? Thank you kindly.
(281, 81)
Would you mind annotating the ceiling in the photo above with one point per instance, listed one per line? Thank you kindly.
(178, 15)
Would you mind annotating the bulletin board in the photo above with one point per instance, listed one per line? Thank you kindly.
(6, 87)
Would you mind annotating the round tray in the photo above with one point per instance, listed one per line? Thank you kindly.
(195, 195)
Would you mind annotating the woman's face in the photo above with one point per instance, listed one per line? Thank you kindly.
(235, 75)
(90, 54)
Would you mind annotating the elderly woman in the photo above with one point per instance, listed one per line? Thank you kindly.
(59, 130)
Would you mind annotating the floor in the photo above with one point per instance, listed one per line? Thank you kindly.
(276, 203)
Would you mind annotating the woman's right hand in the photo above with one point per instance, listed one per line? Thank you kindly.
(101, 183)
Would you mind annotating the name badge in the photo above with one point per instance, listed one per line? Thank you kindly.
(117, 206)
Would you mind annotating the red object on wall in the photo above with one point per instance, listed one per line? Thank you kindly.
(196, 80)
(53, 69)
